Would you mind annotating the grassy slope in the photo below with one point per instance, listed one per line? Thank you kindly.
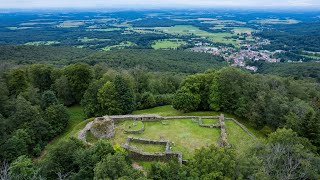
(179, 131)
(77, 122)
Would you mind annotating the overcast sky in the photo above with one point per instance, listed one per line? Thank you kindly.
(156, 3)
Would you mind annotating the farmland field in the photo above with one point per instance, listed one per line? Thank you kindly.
(192, 30)
(122, 45)
(276, 21)
(168, 44)
(71, 24)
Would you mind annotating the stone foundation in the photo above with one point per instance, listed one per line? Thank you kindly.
(138, 154)
(103, 127)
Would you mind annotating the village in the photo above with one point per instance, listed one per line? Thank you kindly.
(248, 52)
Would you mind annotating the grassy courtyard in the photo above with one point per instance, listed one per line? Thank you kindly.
(149, 147)
(132, 125)
(186, 135)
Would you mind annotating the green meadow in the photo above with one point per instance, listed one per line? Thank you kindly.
(168, 44)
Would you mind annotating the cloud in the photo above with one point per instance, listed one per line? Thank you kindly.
(154, 3)
(300, 3)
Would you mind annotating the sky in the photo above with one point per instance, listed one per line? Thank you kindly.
(24, 4)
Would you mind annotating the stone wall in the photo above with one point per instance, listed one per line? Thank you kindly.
(200, 123)
(146, 117)
(223, 134)
(242, 127)
(140, 131)
(103, 127)
(83, 132)
(190, 117)
(138, 154)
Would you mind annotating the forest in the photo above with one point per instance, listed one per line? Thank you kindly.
(302, 36)
(34, 101)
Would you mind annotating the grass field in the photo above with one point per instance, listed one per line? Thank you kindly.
(192, 30)
(242, 30)
(210, 121)
(276, 21)
(39, 43)
(105, 29)
(238, 138)
(86, 39)
(168, 44)
(133, 125)
(71, 24)
(186, 135)
(170, 111)
(119, 46)
(149, 147)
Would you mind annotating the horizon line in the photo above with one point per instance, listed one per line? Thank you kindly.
(159, 8)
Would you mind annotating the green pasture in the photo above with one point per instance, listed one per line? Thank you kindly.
(168, 44)
(86, 39)
(242, 30)
(192, 30)
(71, 24)
(122, 45)
(105, 29)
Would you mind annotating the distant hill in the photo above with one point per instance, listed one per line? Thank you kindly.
(155, 60)
(295, 70)
(159, 60)
(22, 54)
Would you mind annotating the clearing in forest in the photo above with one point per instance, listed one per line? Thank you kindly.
(168, 44)
(185, 135)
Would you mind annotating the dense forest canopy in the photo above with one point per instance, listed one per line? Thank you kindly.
(305, 36)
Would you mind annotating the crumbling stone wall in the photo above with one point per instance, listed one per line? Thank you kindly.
(103, 127)
(200, 123)
(223, 136)
(83, 132)
(138, 154)
(139, 131)
(143, 117)
(242, 127)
